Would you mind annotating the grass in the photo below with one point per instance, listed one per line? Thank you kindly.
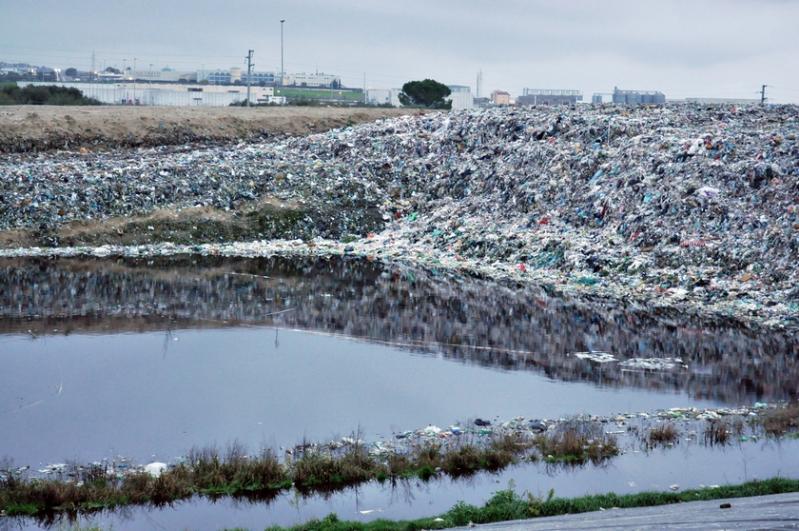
(717, 432)
(577, 442)
(663, 434)
(319, 94)
(507, 505)
(311, 469)
(205, 472)
(780, 421)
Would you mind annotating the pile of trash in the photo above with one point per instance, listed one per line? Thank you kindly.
(694, 206)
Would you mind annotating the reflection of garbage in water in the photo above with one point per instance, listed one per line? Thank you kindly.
(462, 319)
(597, 357)
(654, 364)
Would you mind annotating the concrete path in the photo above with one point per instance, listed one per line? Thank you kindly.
(778, 511)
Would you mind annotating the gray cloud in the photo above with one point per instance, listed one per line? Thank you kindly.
(702, 48)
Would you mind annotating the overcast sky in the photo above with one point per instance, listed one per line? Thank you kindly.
(710, 48)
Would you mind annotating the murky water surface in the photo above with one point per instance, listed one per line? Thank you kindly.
(147, 358)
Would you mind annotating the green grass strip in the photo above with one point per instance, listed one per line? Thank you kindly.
(507, 505)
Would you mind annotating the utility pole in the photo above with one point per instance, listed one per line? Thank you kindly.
(763, 95)
(249, 73)
(365, 101)
(282, 72)
(134, 80)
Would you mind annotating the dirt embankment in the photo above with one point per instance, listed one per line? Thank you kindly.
(43, 127)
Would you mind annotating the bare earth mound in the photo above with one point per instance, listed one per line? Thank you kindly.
(43, 127)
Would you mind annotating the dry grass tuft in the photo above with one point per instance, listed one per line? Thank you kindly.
(782, 420)
(577, 442)
(663, 434)
(717, 432)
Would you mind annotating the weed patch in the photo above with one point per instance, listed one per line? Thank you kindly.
(507, 505)
(663, 434)
(780, 421)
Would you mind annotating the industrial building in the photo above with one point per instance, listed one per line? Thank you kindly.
(598, 98)
(461, 97)
(638, 97)
(236, 76)
(171, 94)
(500, 97)
(549, 97)
(312, 80)
(722, 101)
(260, 78)
(219, 77)
(164, 76)
(383, 97)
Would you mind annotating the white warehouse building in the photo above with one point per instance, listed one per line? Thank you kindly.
(383, 96)
(461, 97)
(169, 94)
(311, 80)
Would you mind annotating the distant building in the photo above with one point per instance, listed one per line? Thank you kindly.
(549, 97)
(598, 98)
(481, 102)
(461, 97)
(727, 101)
(214, 77)
(171, 94)
(219, 77)
(638, 97)
(500, 97)
(312, 80)
(260, 78)
(162, 76)
(383, 97)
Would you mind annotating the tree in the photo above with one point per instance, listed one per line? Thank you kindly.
(428, 93)
(71, 72)
(112, 70)
(11, 77)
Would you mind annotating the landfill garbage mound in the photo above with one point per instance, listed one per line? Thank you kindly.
(686, 206)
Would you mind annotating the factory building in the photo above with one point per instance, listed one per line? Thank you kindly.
(383, 97)
(722, 101)
(219, 77)
(162, 76)
(598, 98)
(260, 78)
(171, 94)
(549, 97)
(312, 80)
(461, 97)
(500, 97)
(638, 97)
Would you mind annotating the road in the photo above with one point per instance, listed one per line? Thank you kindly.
(778, 511)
